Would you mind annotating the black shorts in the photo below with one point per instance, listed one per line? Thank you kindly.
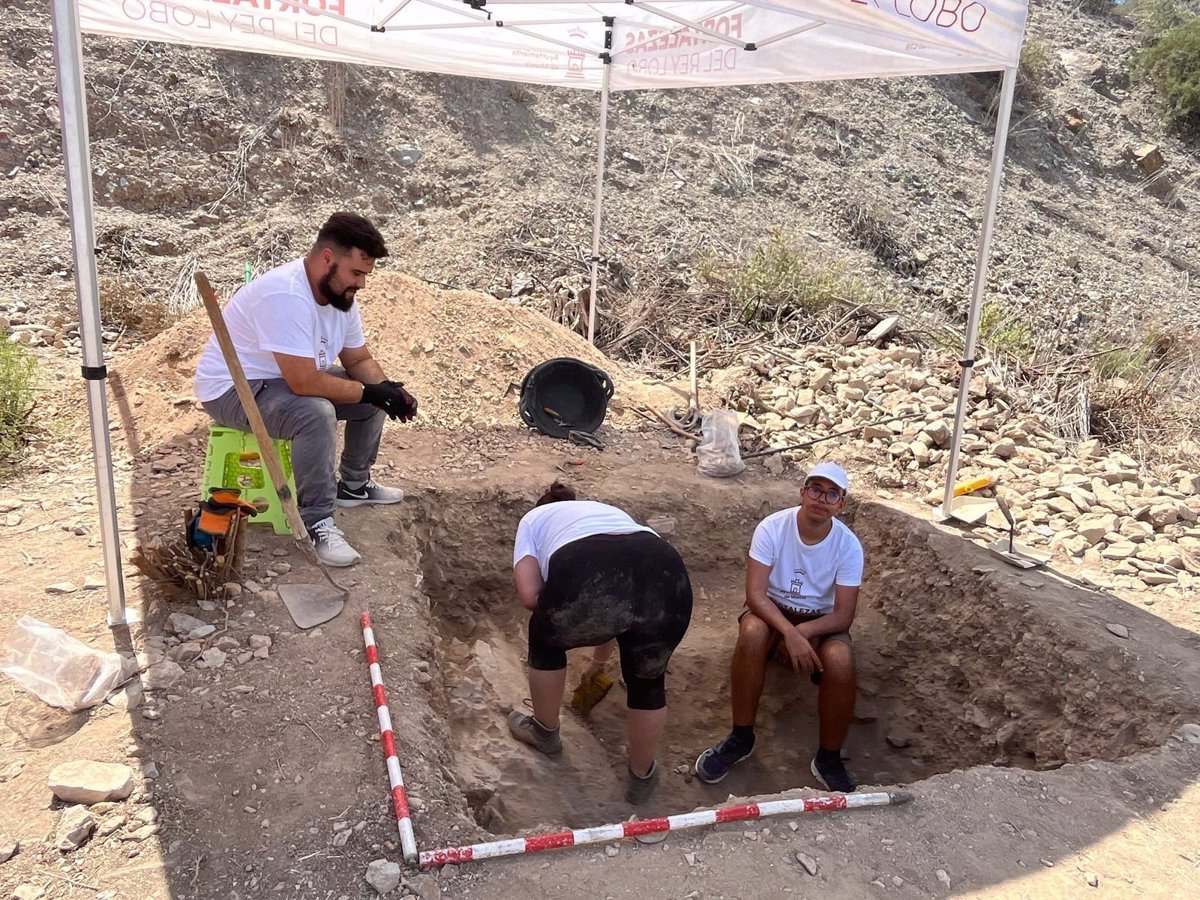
(632, 587)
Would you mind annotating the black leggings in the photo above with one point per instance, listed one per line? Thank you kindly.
(632, 587)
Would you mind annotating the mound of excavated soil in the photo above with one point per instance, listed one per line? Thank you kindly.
(462, 354)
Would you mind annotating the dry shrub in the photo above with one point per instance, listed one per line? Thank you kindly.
(1143, 398)
(127, 306)
(782, 278)
(877, 231)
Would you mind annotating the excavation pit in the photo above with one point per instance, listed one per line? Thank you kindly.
(961, 661)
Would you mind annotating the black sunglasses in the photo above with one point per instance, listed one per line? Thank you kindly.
(833, 495)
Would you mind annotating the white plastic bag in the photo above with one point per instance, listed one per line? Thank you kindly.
(57, 668)
(719, 454)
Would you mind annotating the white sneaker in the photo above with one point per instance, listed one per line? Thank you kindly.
(371, 493)
(331, 545)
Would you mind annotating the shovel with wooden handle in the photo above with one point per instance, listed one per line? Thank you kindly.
(308, 604)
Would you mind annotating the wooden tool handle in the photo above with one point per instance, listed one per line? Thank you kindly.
(266, 444)
(1006, 511)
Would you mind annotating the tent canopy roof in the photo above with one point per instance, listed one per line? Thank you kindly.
(653, 43)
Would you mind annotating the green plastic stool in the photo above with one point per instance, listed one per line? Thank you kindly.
(233, 460)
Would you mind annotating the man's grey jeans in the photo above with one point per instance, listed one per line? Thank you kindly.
(310, 423)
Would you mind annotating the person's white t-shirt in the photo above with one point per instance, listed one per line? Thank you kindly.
(803, 576)
(545, 529)
(277, 313)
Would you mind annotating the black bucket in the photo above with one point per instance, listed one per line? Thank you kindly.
(563, 395)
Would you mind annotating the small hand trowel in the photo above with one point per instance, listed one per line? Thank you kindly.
(1020, 555)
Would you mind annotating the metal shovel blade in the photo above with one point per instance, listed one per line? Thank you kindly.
(311, 604)
(1018, 554)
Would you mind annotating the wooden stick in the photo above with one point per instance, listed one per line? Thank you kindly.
(675, 428)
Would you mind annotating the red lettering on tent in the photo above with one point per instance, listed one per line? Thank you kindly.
(982, 12)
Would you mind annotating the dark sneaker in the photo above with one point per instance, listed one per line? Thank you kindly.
(638, 788)
(370, 493)
(528, 730)
(714, 763)
(833, 775)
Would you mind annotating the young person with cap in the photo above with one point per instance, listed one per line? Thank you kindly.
(802, 582)
(588, 573)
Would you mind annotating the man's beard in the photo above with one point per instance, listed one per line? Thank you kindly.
(342, 301)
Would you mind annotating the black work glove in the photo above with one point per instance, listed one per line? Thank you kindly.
(409, 400)
(387, 398)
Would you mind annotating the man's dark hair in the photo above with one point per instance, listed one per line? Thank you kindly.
(558, 492)
(347, 231)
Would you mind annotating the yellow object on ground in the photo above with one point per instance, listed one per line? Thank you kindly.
(973, 484)
(591, 692)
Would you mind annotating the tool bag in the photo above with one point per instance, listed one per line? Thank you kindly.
(213, 522)
(565, 395)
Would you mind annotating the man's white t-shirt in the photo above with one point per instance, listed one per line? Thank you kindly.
(545, 529)
(803, 576)
(277, 313)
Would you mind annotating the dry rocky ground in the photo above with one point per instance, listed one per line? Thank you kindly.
(1044, 720)
(1040, 722)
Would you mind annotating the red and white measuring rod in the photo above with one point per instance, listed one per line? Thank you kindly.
(408, 843)
(604, 833)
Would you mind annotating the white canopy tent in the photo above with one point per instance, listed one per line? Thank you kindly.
(604, 46)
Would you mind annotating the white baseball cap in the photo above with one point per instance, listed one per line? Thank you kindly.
(831, 472)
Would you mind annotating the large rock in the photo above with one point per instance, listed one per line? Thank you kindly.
(75, 826)
(183, 624)
(8, 847)
(1094, 528)
(1005, 449)
(213, 658)
(939, 432)
(383, 875)
(162, 676)
(85, 781)
(1122, 550)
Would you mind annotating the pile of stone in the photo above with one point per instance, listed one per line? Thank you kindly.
(101, 800)
(1081, 501)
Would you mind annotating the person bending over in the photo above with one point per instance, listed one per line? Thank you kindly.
(588, 573)
(802, 582)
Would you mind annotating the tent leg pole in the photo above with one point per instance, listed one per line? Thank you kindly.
(979, 288)
(598, 202)
(72, 103)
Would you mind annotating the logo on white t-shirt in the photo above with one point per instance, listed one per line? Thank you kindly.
(322, 356)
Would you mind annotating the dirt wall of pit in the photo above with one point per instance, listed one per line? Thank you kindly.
(969, 661)
(1016, 667)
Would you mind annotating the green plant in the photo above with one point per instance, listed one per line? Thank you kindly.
(781, 278)
(1002, 332)
(1157, 17)
(16, 397)
(1035, 67)
(1173, 65)
(1128, 363)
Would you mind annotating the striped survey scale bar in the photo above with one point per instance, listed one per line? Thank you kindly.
(408, 843)
(603, 833)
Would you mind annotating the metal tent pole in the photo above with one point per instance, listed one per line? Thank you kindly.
(72, 104)
(598, 201)
(981, 266)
